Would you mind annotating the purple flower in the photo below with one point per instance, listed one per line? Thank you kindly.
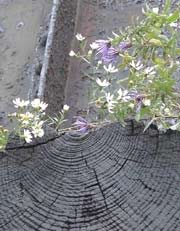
(139, 101)
(124, 46)
(110, 56)
(134, 95)
(103, 46)
(82, 125)
(107, 53)
(138, 105)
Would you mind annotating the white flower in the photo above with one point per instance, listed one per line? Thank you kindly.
(120, 94)
(20, 103)
(94, 46)
(147, 102)
(103, 83)
(155, 10)
(80, 37)
(99, 62)
(174, 25)
(26, 118)
(65, 107)
(167, 110)
(27, 115)
(125, 96)
(38, 132)
(149, 71)
(37, 129)
(14, 114)
(138, 66)
(110, 68)
(175, 126)
(27, 136)
(37, 103)
(131, 105)
(90, 52)
(72, 53)
(109, 97)
(43, 106)
(110, 102)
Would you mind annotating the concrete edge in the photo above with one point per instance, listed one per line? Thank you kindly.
(47, 52)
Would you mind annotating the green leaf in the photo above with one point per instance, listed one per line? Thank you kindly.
(164, 37)
(167, 6)
(174, 17)
(159, 61)
(138, 117)
(177, 51)
(155, 42)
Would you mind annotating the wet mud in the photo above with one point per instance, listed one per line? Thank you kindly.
(21, 25)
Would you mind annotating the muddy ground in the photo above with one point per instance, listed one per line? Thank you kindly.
(21, 23)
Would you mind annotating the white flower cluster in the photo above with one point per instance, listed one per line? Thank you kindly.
(110, 68)
(18, 103)
(80, 37)
(36, 103)
(72, 53)
(110, 102)
(30, 122)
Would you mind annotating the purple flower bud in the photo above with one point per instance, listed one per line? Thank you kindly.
(124, 46)
(139, 100)
(138, 106)
(81, 124)
(134, 95)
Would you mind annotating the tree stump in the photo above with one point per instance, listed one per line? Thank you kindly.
(112, 179)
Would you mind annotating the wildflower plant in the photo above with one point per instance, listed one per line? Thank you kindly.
(147, 54)
(27, 121)
(29, 118)
(3, 137)
(59, 118)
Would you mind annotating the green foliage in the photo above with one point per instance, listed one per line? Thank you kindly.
(3, 138)
(149, 91)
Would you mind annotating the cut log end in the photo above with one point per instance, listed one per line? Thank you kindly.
(112, 179)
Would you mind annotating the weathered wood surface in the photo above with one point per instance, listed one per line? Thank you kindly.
(112, 179)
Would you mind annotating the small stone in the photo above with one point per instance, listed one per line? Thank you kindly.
(19, 25)
(1, 29)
